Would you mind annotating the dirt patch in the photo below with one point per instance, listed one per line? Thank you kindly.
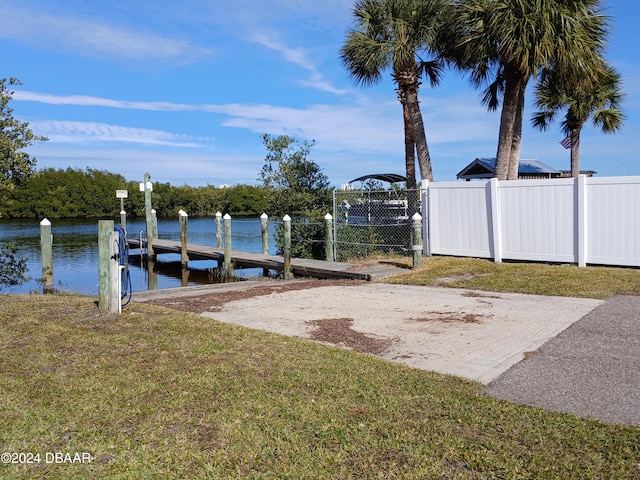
(439, 281)
(212, 302)
(479, 295)
(457, 278)
(450, 317)
(338, 331)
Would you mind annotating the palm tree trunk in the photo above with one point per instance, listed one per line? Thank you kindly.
(424, 160)
(410, 162)
(507, 121)
(575, 152)
(409, 146)
(514, 154)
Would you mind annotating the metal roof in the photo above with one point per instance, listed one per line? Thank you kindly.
(384, 177)
(485, 168)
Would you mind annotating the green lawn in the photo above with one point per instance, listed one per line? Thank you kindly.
(154, 393)
(533, 278)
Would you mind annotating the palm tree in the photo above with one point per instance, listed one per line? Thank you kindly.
(581, 98)
(519, 38)
(392, 34)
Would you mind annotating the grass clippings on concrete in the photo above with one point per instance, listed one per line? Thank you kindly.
(157, 393)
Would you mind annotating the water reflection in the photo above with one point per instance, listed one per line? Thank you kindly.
(75, 252)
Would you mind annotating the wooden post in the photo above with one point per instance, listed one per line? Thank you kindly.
(424, 205)
(265, 233)
(287, 248)
(152, 275)
(417, 240)
(218, 230)
(123, 219)
(114, 273)
(264, 226)
(105, 227)
(184, 256)
(46, 247)
(154, 226)
(146, 188)
(228, 266)
(328, 238)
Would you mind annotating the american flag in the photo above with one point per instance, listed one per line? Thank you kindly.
(566, 143)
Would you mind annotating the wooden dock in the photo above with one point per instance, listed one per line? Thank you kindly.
(301, 267)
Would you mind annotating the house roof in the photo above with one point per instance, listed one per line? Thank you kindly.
(385, 177)
(485, 168)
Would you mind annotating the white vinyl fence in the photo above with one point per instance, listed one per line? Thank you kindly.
(584, 220)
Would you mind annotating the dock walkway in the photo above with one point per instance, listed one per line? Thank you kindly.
(302, 267)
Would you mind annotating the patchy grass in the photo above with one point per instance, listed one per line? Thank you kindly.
(533, 278)
(155, 393)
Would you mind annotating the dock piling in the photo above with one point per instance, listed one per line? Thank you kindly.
(264, 226)
(105, 227)
(218, 230)
(417, 240)
(287, 273)
(146, 188)
(46, 247)
(184, 223)
(228, 265)
(328, 239)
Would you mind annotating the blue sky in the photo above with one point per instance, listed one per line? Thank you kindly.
(184, 90)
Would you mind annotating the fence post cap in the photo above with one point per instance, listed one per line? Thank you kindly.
(264, 215)
(328, 217)
(182, 213)
(227, 216)
(286, 218)
(417, 216)
(45, 222)
(218, 215)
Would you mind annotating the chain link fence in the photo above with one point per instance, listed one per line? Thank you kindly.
(370, 222)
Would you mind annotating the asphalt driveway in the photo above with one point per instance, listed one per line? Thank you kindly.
(591, 369)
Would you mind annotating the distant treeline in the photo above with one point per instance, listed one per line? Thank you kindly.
(75, 193)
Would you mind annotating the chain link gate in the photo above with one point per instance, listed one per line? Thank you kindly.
(373, 222)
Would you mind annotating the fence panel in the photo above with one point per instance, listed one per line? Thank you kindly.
(368, 222)
(584, 220)
(613, 222)
(459, 219)
(537, 220)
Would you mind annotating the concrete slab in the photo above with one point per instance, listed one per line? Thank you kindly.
(472, 334)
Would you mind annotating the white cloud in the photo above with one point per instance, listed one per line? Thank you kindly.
(84, 132)
(90, 101)
(363, 125)
(93, 38)
(299, 57)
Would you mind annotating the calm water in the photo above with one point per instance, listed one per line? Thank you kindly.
(75, 252)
